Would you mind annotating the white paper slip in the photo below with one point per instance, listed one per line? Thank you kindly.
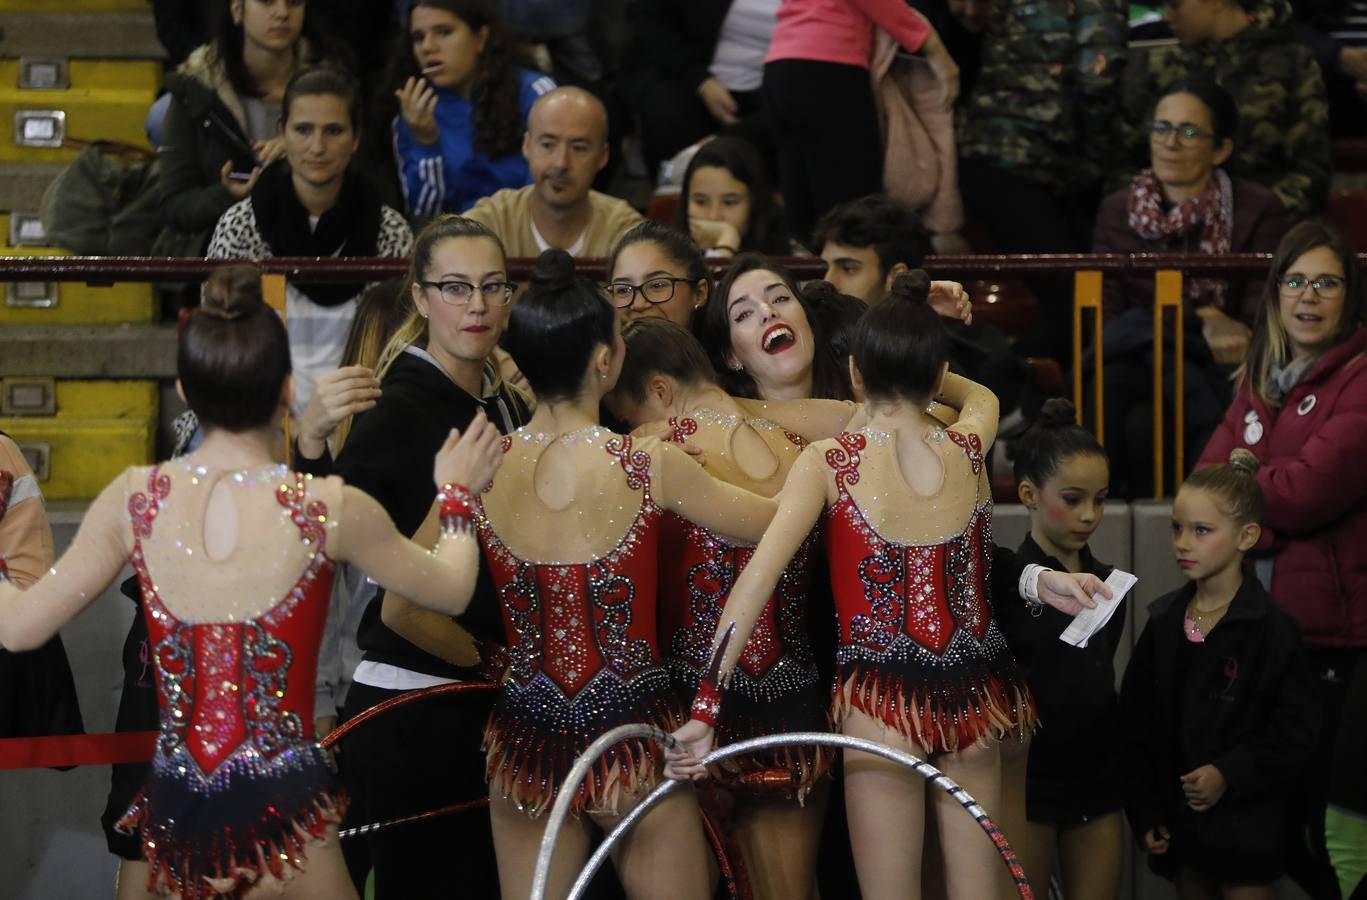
(1090, 621)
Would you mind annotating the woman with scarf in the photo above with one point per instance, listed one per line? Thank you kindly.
(310, 204)
(1183, 203)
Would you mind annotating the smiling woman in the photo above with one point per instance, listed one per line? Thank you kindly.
(759, 335)
(310, 204)
(1301, 408)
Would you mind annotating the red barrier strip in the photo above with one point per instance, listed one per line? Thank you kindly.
(63, 751)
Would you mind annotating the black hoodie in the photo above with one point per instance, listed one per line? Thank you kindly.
(389, 455)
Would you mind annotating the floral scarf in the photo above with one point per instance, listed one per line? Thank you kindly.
(1211, 212)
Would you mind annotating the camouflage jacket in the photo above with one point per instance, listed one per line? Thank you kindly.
(1283, 137)
(1044, 104)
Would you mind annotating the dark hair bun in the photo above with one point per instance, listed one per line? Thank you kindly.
(554, 271)
(1057, 412)
(1243, 459)
(232, 292)
(912, 286)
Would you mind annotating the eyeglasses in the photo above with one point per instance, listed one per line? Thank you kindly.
(1186, 132)
(1328, 286)
(654, 290)
(458, 293)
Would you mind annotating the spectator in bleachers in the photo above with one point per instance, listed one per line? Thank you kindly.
(1034, 137)
(694, 68)
(656, 271)
(726, 203)
(182, 25)
(463, 105)
(818, 93)
(1183, 203)
(310, 204)
(565, 145)
(223, 124)
(868, 242)
(1283, 136)
(1301, 407)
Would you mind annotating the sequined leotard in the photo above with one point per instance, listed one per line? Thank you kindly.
(774, 687)
(238, 784)
(918, 646)
(582, 655)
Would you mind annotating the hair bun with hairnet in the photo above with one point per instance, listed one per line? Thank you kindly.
(1057, 412)
(911, 286)
(1243, 459)
(554, 271)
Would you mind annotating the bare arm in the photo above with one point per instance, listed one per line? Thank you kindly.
(29, 618)
(812, 420)
(431, 632)
(977, 407)
(686, 488)
(441, 579)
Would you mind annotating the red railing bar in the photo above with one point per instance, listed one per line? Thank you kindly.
(111, 269)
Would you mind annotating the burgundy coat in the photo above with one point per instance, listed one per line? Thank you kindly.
(1259, 223)
(1313, 450)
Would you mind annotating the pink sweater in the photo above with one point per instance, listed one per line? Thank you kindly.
(841, 31)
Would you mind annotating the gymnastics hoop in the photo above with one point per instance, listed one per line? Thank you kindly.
(379, 709)
(576, 775)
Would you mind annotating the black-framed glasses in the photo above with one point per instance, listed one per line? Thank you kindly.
(1186, 132)
(1323, 285)
(659, 289)
(458, 293)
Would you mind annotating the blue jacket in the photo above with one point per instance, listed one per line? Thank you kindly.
(450, 175)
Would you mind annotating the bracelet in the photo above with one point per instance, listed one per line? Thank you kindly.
(4, 570)
(457, 508)
(1029, 588)
(707, 703)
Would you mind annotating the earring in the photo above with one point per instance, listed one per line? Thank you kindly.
(737, 367)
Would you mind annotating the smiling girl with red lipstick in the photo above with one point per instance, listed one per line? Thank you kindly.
(760, 337)
(1219, 702)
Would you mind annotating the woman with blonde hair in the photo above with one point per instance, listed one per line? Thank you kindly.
(435, 373)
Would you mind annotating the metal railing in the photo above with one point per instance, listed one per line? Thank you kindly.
(1087, 270)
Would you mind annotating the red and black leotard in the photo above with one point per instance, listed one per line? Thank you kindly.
(238, 782)
(774, 687)
(918, 648)
(582, 659)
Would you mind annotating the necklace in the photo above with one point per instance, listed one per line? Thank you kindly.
(1197, 618)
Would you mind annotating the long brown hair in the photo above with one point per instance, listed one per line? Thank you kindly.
(1270, 345)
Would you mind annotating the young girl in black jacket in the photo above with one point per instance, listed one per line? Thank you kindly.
(1218, 699)
(1062, 808)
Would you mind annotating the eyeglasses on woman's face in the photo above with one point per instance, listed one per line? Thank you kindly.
(459, 293)
(1183, 132)
(1294, 284)
(659, 289)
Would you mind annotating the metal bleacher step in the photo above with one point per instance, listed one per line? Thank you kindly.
(89, 351)
(91, 35)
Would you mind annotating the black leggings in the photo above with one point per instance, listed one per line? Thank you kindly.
(413, 759)
(830, 149)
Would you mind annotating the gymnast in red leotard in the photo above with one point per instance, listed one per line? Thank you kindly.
(235, 554)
